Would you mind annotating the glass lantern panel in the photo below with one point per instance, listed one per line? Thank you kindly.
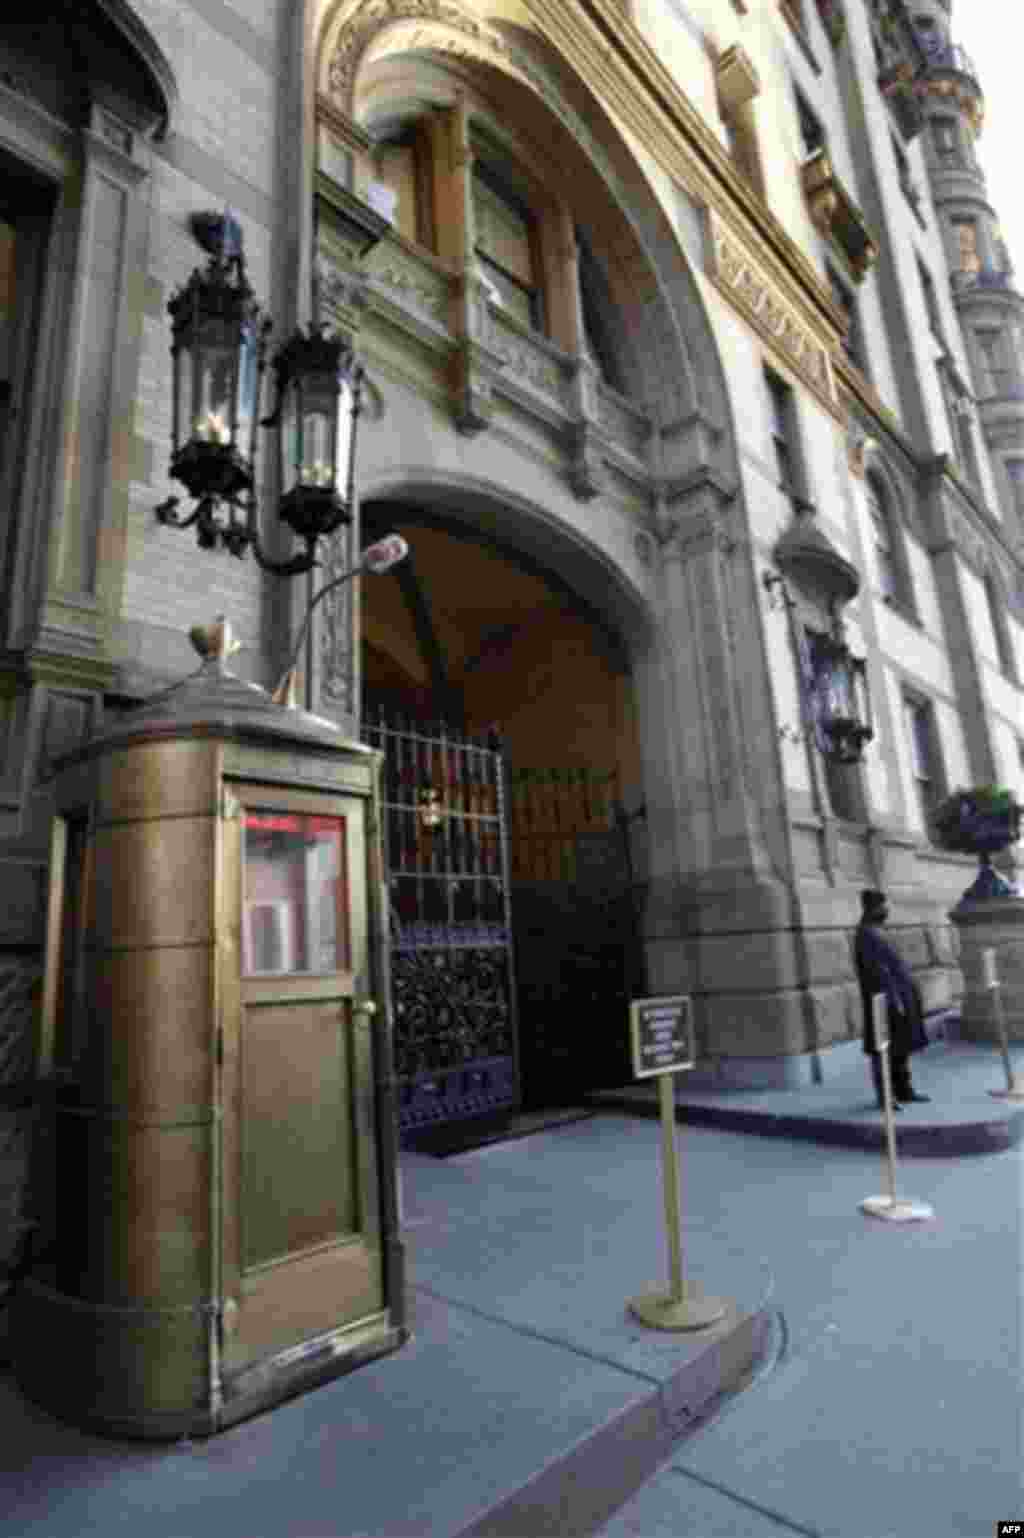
(217, 376)
(344, 435)
(319, 416)
(836, 687)
(247, 388)
(862, 697)
(291, 447)
(184, 397)
(294, 893)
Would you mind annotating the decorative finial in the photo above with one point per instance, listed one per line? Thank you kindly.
(214, 641)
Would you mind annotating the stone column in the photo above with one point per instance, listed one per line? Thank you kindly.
(476, 364)
(997, 924)
(720, 923)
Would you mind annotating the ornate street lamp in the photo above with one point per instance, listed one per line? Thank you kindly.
(219, 348)
(840, 683)
(834, 683)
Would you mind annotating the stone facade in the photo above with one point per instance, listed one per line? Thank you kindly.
(720, 207)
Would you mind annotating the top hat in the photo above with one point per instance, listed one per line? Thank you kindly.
(873, 901)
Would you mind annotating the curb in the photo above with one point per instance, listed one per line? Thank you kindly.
(582, 1488)
(922, 1139)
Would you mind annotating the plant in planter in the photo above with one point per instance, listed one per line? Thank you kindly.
(981, 821)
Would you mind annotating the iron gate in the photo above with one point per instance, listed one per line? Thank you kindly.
(446, 855)
(577, 945)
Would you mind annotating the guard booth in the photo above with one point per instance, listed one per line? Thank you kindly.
(217, 1204)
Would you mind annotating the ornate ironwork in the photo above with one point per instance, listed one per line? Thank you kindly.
(446, 854)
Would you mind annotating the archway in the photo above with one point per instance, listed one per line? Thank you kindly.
(474, 645)
(495, 417)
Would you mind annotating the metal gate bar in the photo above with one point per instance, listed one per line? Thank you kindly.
(446, 856)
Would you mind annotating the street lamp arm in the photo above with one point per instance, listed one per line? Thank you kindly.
(376, 559)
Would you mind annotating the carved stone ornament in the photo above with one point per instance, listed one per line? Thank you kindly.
(336, 680)
(414, 286)
(737, 274)
(521, 358)
(336, 289)
(586, 473)
(450, 29)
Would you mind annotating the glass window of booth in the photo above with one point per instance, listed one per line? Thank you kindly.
(295, 912)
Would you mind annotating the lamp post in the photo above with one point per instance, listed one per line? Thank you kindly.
(219, 354)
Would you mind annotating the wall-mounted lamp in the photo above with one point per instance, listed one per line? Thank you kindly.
(833, 682)
(219, 346)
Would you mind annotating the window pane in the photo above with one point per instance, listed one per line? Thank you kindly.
(509, 295)
(294, 893)
(502, 232)
(395, 166)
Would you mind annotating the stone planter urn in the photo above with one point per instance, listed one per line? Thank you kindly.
(990, 914)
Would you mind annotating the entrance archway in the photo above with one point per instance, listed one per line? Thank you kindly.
(473, 646)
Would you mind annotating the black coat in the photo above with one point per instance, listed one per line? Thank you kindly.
(880, 969)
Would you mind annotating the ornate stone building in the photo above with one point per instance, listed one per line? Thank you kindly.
(675, 295)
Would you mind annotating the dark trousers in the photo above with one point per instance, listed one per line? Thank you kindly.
(899, 1072)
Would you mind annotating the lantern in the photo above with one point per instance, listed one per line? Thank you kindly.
(840, 686)
(216, 356)
(318, 390)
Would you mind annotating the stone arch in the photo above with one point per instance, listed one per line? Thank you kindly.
(684, 384)
(569, 555)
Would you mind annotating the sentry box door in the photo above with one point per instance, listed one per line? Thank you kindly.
(301, 1250)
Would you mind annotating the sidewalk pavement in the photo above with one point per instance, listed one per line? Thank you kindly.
(885, 1362)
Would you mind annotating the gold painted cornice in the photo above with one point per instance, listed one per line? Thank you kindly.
(609, 51)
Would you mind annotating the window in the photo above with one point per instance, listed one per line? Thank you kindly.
(998, 376)
(886, 562)
(597, 310)
(780, 401)
(812, 134)
(946, 138)
(506, 246)
(965, 236)
(931, 302)
(963, 437)
(1000, 629)
(907, 187)
(853, 342)
(925, 763)
(958, 414)
(403, 162)
(1015, 475)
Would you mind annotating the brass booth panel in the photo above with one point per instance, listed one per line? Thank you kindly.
(301, 1246)
(216, 1187)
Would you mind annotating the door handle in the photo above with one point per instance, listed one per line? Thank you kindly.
(364, 1007)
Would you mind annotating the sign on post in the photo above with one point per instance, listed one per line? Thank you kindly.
(662, 1042)
(661, 1035)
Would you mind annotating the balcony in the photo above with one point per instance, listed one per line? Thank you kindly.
(835, 215)
(953, 60)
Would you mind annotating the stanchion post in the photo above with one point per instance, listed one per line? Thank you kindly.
(990, 981)
(661, 1038)
(893, 1208)
(670, 1181)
